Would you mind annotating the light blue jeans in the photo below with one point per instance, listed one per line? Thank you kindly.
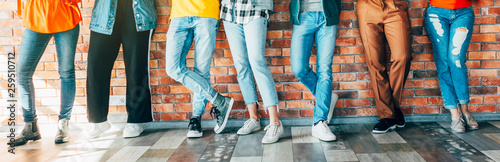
(312, 29)
(179, 39)
(33, 45)
(248, 43)
(450, 31)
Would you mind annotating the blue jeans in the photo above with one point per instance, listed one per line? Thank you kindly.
(247, 43)
(312, 29)
(33, 45)
(179, 39)
(450, 31)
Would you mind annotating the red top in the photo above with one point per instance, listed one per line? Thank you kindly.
(451, 4)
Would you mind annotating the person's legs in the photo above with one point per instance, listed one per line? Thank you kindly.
(103, 50)
(66, 48)
(398, 34)
(325, 45)
(136, 57)
(33, 45)
(460, 35)
(179, 40)
(255, 38)
(236, 37)
(438, 30)
(372, 34)
(205, 33)
(300, 50)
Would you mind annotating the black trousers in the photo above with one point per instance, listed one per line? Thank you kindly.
(103, 50)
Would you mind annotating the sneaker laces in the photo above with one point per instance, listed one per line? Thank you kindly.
(193, 122)
(273, 129)
(326, 128)
(248, 123)
(214, 112)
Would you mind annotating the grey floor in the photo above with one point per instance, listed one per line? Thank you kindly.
(424, 141)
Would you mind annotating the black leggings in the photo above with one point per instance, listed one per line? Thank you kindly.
(103, 50)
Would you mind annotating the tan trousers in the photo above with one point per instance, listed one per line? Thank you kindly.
(389, 18)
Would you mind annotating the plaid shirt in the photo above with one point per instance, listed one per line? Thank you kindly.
(243, 12)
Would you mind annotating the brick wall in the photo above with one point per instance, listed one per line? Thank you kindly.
(351, 81)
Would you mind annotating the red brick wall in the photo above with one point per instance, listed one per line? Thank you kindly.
(351, 81)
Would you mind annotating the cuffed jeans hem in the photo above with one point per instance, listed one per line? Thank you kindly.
(29, 119)
(317, 120)
(64, 118)
(451, 106)
(463, 102)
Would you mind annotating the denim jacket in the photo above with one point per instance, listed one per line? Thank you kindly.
(104, 13)
(257, 4)
(331, 8)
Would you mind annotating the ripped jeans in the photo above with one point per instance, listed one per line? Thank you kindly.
(450, 31)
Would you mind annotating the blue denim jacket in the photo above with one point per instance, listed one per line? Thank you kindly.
(257, 4)
(104, 13)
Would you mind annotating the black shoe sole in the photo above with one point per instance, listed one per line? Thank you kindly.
(384, 131)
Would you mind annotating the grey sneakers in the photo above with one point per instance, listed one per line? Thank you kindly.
(221, 107)
(30, 132)
(62, 135)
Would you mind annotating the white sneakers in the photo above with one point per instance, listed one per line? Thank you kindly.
(335, 97)
(273, 133)
(323, 132)
(251, 125)
(99, 128)
(132, 130)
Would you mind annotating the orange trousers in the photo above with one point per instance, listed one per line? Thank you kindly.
(378, 19)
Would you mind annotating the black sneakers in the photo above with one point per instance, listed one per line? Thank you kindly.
(400, 118)
(384, 125)
(195, 128)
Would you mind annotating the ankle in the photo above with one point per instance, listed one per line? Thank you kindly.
(277, 122)
(255, 118)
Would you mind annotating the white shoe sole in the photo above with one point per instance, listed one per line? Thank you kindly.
(253, 130)
(377, 131)
(194, 134)
(273, 141)
(332, 107)
(325, 139)
(132, 135)
(221, 128)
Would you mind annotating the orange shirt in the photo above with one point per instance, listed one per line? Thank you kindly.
(451, 4)
(50, 16)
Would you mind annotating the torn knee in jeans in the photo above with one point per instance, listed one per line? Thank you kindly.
(459, 39)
